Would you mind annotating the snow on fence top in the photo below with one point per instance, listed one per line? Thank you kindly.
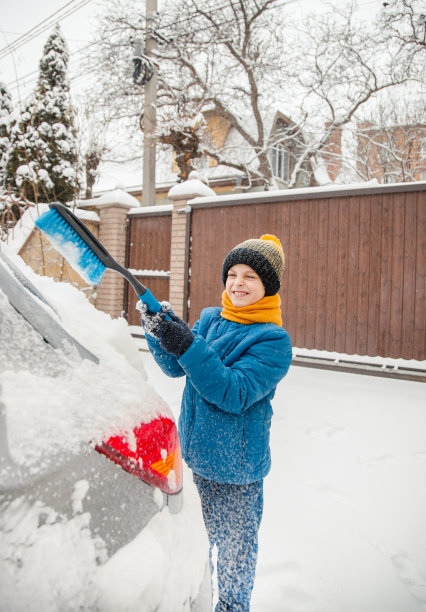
(372, 187)
(149, 210)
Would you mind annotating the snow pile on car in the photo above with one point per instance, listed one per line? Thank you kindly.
(55, 401)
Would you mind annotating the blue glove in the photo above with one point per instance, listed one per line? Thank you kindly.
(174, 336)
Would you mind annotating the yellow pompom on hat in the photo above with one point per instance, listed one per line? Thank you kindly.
(265, 255)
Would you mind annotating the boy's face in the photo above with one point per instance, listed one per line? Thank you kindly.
(244, 286)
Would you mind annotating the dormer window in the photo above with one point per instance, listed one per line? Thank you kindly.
(280, 160)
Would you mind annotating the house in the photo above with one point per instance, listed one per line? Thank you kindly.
(393, 154)
(351, 155)
(285, 146)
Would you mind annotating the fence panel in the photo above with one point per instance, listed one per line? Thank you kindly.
(354, 279)
(148, 248)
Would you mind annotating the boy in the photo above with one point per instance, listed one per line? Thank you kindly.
(233, 359)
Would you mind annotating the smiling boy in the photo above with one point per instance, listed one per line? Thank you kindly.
(243, 286)
(233, 359)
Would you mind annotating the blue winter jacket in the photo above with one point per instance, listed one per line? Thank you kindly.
(232, 372)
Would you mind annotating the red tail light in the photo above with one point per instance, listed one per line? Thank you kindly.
(151, 452)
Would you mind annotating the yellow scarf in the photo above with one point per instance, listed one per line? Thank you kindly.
(266, 310)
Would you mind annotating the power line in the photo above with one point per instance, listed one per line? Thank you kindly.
(40, 28)
(47, 23)
(210, 11)
(15, 84)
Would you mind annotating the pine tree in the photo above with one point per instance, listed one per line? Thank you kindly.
(5, 131)
(43, 158)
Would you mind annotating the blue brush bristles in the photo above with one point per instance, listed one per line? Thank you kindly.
(69, 244)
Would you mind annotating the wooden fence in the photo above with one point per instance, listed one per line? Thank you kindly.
(354, 279)
(148, 255)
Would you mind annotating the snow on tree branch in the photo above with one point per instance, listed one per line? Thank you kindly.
(243, 61)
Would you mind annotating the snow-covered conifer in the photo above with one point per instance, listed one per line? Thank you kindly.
(5, 131)
(42, 163)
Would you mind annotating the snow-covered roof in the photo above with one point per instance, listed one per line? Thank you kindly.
(23, 228)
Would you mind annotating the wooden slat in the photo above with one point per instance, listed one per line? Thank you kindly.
(385, 278)
(322, 274)
(419, 349)
(362, 278)
(312, 267)
(292, 273)
(352, 275)
(342, 276)
(302, 275)
(396, 304)
(374, 276)
(282, 222)
(409, 287)
(332, 243)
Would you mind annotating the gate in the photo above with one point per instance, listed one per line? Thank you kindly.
(148, 254)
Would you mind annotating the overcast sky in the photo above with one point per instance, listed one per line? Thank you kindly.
(21, 17)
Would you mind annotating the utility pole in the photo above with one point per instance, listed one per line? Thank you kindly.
(150, 112)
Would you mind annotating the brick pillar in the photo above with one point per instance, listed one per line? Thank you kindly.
(179, 258)
(112, 234)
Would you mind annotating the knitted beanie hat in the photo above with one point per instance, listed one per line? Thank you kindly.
(265, 255)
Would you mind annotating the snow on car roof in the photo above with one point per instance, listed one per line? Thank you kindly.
(55, 401)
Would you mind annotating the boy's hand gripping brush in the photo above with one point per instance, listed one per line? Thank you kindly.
(85, 253)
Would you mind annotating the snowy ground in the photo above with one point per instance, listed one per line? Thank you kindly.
(344, 526)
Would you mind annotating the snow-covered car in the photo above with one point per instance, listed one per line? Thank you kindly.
(92, 512)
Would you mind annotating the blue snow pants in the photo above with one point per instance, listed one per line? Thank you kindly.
(232, 515)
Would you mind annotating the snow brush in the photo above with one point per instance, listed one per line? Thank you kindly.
(83, 251)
